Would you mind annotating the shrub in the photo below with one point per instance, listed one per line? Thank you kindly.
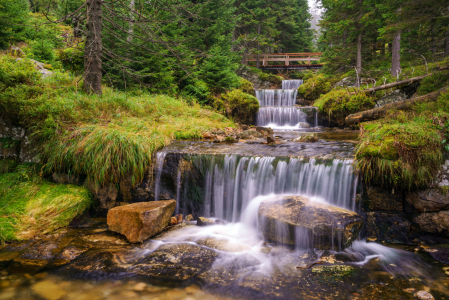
(72, 59)
(338, 104)
(315, 86)
(237, 105)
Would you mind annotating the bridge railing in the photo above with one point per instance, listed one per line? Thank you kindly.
(264, 59)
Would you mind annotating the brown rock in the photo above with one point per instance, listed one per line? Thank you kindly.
(297, 221)
(204, 221)
(428, 200)
(208, 135)
(107, 194)
(173, 221)
(189, 218)
(245, 127)
(436, 222)
(140, 221)
(48, 290)
(270, 140)
(377, 198)
(309, 138)
(179, 218)
(388, 227)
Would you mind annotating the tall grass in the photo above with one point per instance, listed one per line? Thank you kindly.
(103, 137)
(31, 206)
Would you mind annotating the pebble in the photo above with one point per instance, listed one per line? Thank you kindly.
(140, 287)
(423, 295)
(48, 290)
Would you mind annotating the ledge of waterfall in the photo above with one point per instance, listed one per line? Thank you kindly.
(308, 223)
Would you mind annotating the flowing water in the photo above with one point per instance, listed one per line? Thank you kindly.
(278, 110)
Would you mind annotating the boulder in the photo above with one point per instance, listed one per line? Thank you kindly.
(249, 134)
(140, 221)
(301, 222)
(304, 125)
(428, 200)
(394, 96)
(204, 221)
(435, 223)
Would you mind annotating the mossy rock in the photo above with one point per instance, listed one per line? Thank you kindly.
(237, 105)
(404, 149)
(315, 86)
(338, 104)
(246, 86)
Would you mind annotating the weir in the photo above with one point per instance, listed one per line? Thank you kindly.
(277, 107)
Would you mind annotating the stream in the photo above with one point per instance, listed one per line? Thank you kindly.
(231, 260)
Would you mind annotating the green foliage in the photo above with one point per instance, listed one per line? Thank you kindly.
(434, 82)
(31, 206)
(72, 59)
(7, 165)
(197, 89)
(218, 69)
(104, 138)
(315, 86)
(404, 149)
(246, 86)
(338, 104)
(13, 13)
(43, 51)
(237, 105)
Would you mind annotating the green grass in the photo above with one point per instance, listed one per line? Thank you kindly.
(103, 137)
(405, 149)
(31, 206)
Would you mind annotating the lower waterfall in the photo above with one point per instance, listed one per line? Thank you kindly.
(230, 182)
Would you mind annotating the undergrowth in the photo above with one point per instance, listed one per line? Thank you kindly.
(103, 137)
(31, 206)
(315, 86)
(405, 149)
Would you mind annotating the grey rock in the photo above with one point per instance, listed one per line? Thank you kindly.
(429, 200)
(392, 97)
(433, 222)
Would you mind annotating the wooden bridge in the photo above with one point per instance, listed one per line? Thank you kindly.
(286, 61)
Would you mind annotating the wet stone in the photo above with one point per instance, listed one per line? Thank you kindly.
(48, 290)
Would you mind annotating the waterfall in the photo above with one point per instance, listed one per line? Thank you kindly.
(291, 84)
(280, 116)
(277, 107)
(276, 97)
(231, 182)
(160, 158)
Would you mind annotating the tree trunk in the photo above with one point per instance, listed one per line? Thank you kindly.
(379, 112)
(359, 60)
(396, 56)
(131, 21)
(446, 42)
(93, 48)
(258, 45)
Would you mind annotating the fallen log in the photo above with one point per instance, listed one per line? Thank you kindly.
(393, 84)
(378, 112)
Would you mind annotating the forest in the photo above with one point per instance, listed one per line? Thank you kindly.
(224, 149)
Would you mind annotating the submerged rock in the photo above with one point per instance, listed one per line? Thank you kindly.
(297, 221)
(309, 138)
(140, 221)
(423, 295)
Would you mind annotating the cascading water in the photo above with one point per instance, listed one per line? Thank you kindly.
(277, 107)
(160, 158)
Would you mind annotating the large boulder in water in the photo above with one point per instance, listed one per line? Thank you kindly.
(301, 222)
(140, 221)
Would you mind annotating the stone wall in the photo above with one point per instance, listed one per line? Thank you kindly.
(407, 217)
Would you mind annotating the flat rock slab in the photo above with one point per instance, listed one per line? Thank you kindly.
(140, 221)
(300, 222)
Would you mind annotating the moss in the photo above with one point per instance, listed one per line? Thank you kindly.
(237, 105)
(31, 206)
(103, 137)
(338, 104)
(263, 76)
(315, 86)
(433, 83)
(404, 149)
(246, 86)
